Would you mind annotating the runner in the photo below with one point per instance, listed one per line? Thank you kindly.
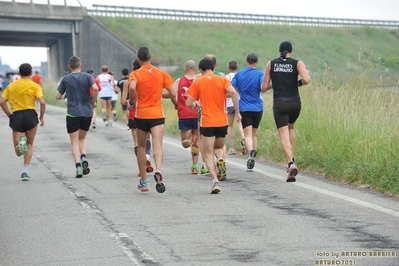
(21, 96)
(188, 118)
(146, 87)
(94, 118)
(120, 83)
(132, 122)
(107, 89)
(80, 107)
(209, 93)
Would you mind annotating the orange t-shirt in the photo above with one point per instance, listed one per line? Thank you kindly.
(37, 78)
(150, 83)
(211, 89)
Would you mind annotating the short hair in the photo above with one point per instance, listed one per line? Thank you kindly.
(110, 73)
(125, 71)
(136, 64)
(190, 65)
(104, 68)
(233, 65)
(206, 64)
(144, 54)
(74, 62)
(90, 71)
(25, 70)
(211, 57)
(37, 71)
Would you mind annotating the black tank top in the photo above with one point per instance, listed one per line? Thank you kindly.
(284, 75)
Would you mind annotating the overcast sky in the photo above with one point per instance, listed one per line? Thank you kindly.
(353, 9)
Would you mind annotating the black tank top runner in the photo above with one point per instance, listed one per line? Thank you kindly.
(284, 75)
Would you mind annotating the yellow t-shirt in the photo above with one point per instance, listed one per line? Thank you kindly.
(22, 94)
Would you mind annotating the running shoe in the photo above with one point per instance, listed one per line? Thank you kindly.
(93, 125)
(160, 186)
(143, 186)
(149, 168)
(244, 150)
(221, 167)
(22, 147)
(292, 172)
(110, 122)
(194, 146)
(85, 166)
(203, 171)
(79, 172)
(105, 117)
(251, 159)
(106, 123)
(194, 171)
(115, 117)
(232, 151)
(250, 170)
(215, 188)
(25, 177)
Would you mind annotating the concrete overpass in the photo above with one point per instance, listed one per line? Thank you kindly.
(66, 31)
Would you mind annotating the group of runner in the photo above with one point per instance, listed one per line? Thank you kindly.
(201, 100)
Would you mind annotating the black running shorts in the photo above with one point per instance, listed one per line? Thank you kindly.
(22, 121)
(73, 124)
(147, 124)
(286, 111)
(218, 132)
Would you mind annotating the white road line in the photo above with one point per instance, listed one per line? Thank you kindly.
(310, 187)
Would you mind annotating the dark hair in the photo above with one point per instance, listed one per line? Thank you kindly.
(90, 71)
(136, 64)
(233, 65)
(74, 62)
(110, 73)
(125, 71)
(25, 70)
(206, 64)
(144, 54)
(285, 47)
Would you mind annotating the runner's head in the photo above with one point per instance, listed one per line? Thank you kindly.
(136, 64)
(252, 58)
(285, 48)
(125, 72)
(206, 64)
(104, 69)
(25, 70)
(190, 66)
(75, 62)
(143, 54)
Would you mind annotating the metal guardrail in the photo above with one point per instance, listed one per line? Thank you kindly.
(155, 13)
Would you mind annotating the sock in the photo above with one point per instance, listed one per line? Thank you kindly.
(25, 168)
(194, 165)
(142, 182)
(215, 180)
(78, 165)
(290, 163)
(135, 150)
(293, 160)
(148, 147)
(82, 156)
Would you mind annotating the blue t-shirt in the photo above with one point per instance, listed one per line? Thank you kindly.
(248, 83)
(77, 85)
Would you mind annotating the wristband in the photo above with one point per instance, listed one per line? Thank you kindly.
(300, 83)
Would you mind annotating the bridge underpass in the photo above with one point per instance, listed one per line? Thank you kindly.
(65, 31)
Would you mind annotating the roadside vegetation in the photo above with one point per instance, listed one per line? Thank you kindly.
(348, 128)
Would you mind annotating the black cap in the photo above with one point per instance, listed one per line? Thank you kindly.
(285, 46)
(90, 71)
(252, 57)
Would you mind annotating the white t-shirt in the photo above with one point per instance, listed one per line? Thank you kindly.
(107, 88)
(229, 101)
(114, 95)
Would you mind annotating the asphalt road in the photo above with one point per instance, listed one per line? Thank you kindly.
(103, 219)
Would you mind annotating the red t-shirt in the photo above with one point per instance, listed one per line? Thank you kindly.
(182, 110)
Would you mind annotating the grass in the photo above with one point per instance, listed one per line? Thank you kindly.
(348, 127)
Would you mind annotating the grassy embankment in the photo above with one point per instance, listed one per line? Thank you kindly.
(348, 127)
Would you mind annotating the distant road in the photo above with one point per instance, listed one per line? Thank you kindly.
(103, 219)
